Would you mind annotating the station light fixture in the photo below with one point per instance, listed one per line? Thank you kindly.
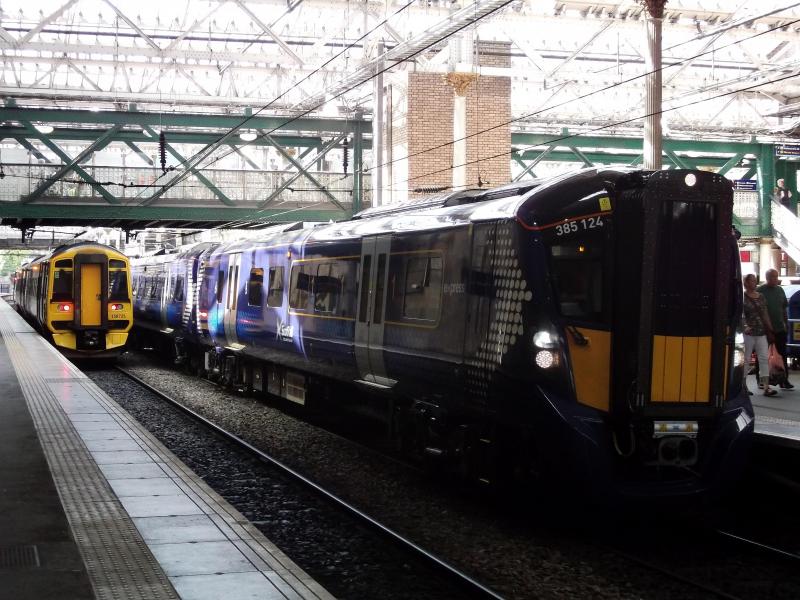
(44, 129)
(248, 136)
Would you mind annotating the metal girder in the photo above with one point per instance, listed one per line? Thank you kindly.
(582, 47)
(732, 162)
(71, 164)
(33, 132)
(177, 137)
(302, 170)
(246, 158)
(202, 178)
(268, 30)
(44, 22)
(179, 120)
(430, 38)
(133, 26)
(31, 148)
(528, 169)
(140, 153)
(630, 143)
(675, 159)
(581, 156)
(606, 158)
(160, 214)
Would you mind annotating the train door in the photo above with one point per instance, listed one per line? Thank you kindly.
(231, 298)
(372, 280)
(91, 294)
(166, 292)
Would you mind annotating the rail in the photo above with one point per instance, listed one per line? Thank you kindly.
(464, 581)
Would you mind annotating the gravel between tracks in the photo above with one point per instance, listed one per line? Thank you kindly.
(519, 557)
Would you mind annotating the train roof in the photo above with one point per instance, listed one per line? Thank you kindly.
(73, 248)
(534, 203)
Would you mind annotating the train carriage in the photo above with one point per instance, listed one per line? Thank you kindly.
(79, 297)
(582, 327)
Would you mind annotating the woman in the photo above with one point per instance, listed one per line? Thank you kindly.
(756, 328)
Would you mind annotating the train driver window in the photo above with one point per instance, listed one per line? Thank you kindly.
(255, 287)
(62, 282)
(275, 293)
(327, 288)
(577, 267)
(118, 285)
(423, 288)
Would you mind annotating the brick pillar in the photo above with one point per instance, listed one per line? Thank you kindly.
(423, 118)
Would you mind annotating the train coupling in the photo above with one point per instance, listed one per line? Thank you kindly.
(676, 442)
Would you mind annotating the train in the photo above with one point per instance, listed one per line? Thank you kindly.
(581, 328)
(79, 297)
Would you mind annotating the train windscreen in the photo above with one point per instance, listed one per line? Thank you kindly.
(577, 268)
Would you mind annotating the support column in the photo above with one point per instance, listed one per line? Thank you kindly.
(460, 83)
(358, 167)
(766, 184)
(377, 135)
(652, 122)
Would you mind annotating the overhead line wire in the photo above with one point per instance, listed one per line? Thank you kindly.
(186, 173)
(603, 127)
(577, 98)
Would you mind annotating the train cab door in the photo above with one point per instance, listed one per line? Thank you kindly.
(91, 309)
(372, 285)
(231, 299)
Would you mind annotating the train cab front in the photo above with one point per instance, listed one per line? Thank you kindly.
(644, 312)
(89, 310)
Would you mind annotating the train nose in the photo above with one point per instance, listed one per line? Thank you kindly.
(676, 451)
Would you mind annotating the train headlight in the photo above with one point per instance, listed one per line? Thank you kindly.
(545, 359)
(116, 307)
(65, 307)
(544, 339)
(738, 351)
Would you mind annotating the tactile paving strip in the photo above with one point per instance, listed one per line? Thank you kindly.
(118, 562)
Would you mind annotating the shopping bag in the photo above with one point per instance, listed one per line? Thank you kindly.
(776, 372)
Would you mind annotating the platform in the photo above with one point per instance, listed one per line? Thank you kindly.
(777, 417)
(93, 506)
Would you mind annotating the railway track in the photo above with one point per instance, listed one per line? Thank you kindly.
(468, 586)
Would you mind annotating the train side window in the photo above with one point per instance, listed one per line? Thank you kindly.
(177, 294)
(62, 284)
(275, 294)
(220, 284)
(327, 288)
(300, 287)
(118, 285)
(423, 288)
(255, 287)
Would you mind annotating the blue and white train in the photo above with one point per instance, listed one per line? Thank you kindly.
(582, 327)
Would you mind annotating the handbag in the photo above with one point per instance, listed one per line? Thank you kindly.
(777, 374)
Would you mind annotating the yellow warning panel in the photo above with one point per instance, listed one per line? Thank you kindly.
(91, 294)
(591, 367)
(681, 370)
(605, 203)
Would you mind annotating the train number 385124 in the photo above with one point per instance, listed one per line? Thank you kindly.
(579, 225)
